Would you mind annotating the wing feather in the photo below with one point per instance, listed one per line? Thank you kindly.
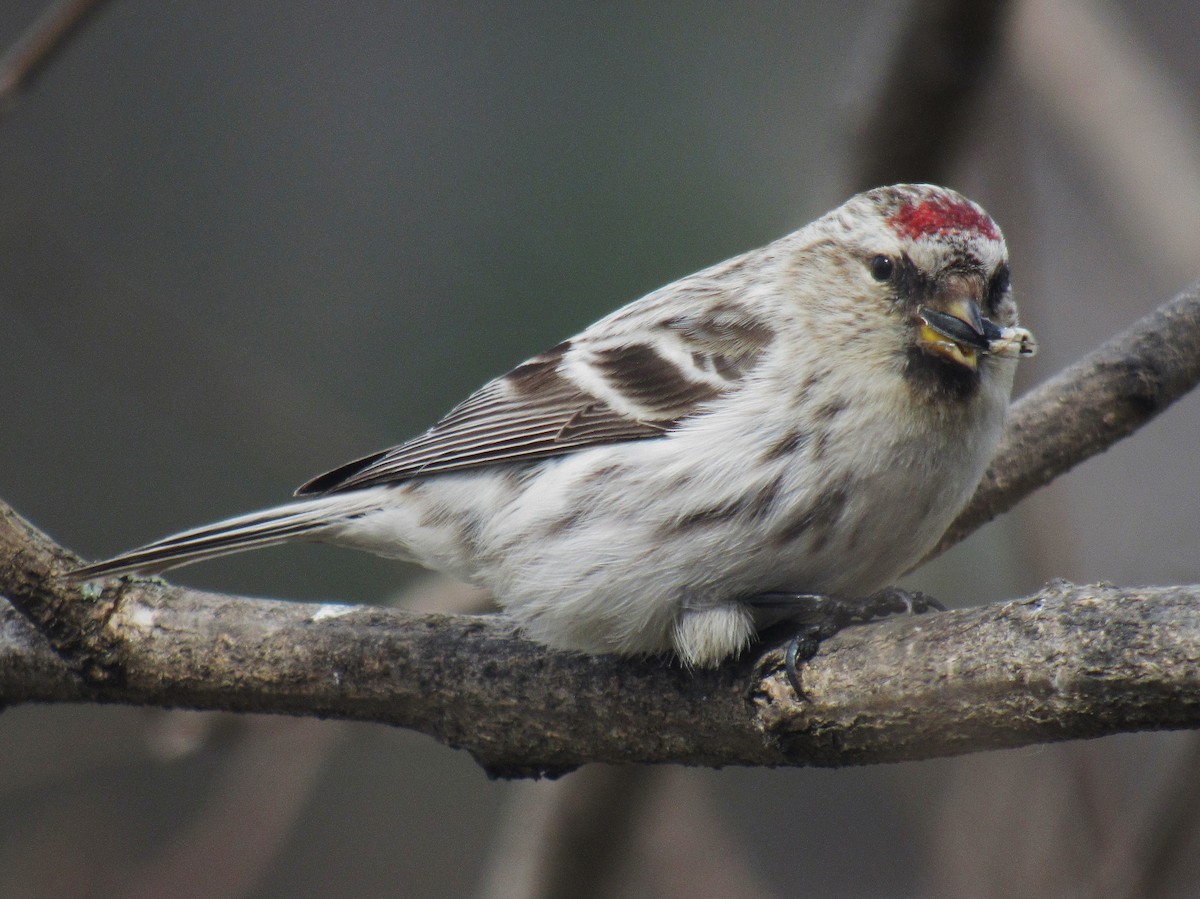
(539, 410)
(501, 422)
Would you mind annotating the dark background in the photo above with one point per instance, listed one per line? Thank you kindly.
(241, 243)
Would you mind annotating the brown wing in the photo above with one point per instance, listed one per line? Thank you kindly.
(531, 413)
(538, 410)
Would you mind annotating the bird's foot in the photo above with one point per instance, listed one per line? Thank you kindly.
(820, 617)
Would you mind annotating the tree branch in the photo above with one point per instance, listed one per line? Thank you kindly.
(1086, 408)
(1068, 662)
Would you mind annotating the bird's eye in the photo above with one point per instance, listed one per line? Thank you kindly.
(882, 268)
(1001, 280)
(997, 288)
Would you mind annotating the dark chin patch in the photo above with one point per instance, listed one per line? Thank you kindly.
(939, 379)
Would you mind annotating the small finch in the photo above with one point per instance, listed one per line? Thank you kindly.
(806, 418)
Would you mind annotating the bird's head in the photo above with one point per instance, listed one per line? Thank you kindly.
(935, 265)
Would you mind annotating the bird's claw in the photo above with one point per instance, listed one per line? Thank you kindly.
(833, 613)
(801, 648)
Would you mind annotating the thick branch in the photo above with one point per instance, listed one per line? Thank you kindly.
(1069, 662)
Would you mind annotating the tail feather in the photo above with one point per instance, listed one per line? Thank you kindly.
(269, 527)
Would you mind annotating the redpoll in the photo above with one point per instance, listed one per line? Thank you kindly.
(804, 418)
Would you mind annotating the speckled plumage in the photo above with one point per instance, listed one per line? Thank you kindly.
(781, 421)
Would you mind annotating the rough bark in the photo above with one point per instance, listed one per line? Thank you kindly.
(1066, 663)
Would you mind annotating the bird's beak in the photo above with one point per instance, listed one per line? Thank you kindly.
(952, 326)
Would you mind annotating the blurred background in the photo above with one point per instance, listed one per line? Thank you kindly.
(243, 242)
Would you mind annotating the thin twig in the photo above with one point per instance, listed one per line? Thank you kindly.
(34, 49)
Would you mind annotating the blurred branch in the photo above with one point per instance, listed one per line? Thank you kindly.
(912, 129)
(1068, 662)
(618, 830)
(1142, 863)
(264, 784)
(1133, 128)
(34, 49)
(566, 838)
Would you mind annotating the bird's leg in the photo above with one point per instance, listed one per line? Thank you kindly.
(820, 617)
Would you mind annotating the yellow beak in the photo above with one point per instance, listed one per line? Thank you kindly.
(955, 331)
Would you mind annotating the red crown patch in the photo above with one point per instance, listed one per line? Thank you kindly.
(940, 214)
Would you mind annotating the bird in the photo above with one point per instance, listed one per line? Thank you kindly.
(804, 418)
